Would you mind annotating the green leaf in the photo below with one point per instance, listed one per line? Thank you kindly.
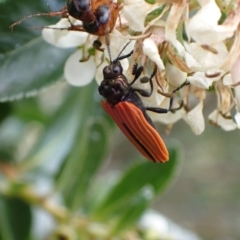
(150, 1)
(27, 63)
(6, 232)
(87, 154)
(11, 132)
(27, 69)
(131, 212)
(29, 109)
(90, 156)
(12, 11)
(15, 219)
(156, 12)
(61, 131)
(142, 176)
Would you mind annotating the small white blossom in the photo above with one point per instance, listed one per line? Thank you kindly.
(193, 41)
(225, 123)
(170, 117)
(203, 27)
(157, 226)
(64, 38)
(235, 74)
(79, 74)
(135, 12)
(195, 119)
(209, 57)
(237, 119)
(174, 75)
(151, 50)
(200, 80)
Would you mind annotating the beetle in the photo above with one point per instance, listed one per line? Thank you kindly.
(126, 108)
(98, 16)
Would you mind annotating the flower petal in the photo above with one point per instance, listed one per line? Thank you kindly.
(203, 26)
(237, 119)
(79, 73)
(156, 223)
(172, 23)
(63, 38)
(175, 76)
(227, 80)
(205, 57)
(135, 13)
(224, 123)
(195, 119)
(151, 50)
(118, 41)
(235, 73)
(200, 80)
(167, 118)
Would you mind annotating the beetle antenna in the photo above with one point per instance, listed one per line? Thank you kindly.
(107, 40)
(118, 57)
(109, 51)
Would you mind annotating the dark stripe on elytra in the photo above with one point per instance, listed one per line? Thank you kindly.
(139, 143)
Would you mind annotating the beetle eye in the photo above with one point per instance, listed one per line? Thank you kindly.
(103, 14)
(82, 4)
(76, 7)
(117, 70)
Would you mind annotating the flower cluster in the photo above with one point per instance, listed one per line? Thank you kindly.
(196, 41)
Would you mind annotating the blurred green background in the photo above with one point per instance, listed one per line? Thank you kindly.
(61, 143)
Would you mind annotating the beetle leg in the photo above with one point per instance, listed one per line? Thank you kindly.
(137, 75)
(181, 104)
(137, 71)
(134, 69)
(166, 110)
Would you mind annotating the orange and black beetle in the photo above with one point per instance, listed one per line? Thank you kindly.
(98, 16)
(125, 106)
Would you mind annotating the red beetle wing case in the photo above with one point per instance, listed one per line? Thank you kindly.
(133, 124)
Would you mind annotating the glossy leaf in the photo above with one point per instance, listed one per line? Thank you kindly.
(150, 177)
(61, 132)
(12, 11)
(15, 219)
(27, 63)
(90, 156)
(86, 155)
(131, 212)
(26, 70)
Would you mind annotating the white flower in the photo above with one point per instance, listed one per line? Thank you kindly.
(157, 226)
(207, 57)
(195, 119)
(194, 41)
(135, 12)
(174, 75)
(64, 38)
(203, 27)
(235, 74)
(199, 79)
(237, 119)
(225, 123)
(79, 73)
(151, 50)
(170, 117)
